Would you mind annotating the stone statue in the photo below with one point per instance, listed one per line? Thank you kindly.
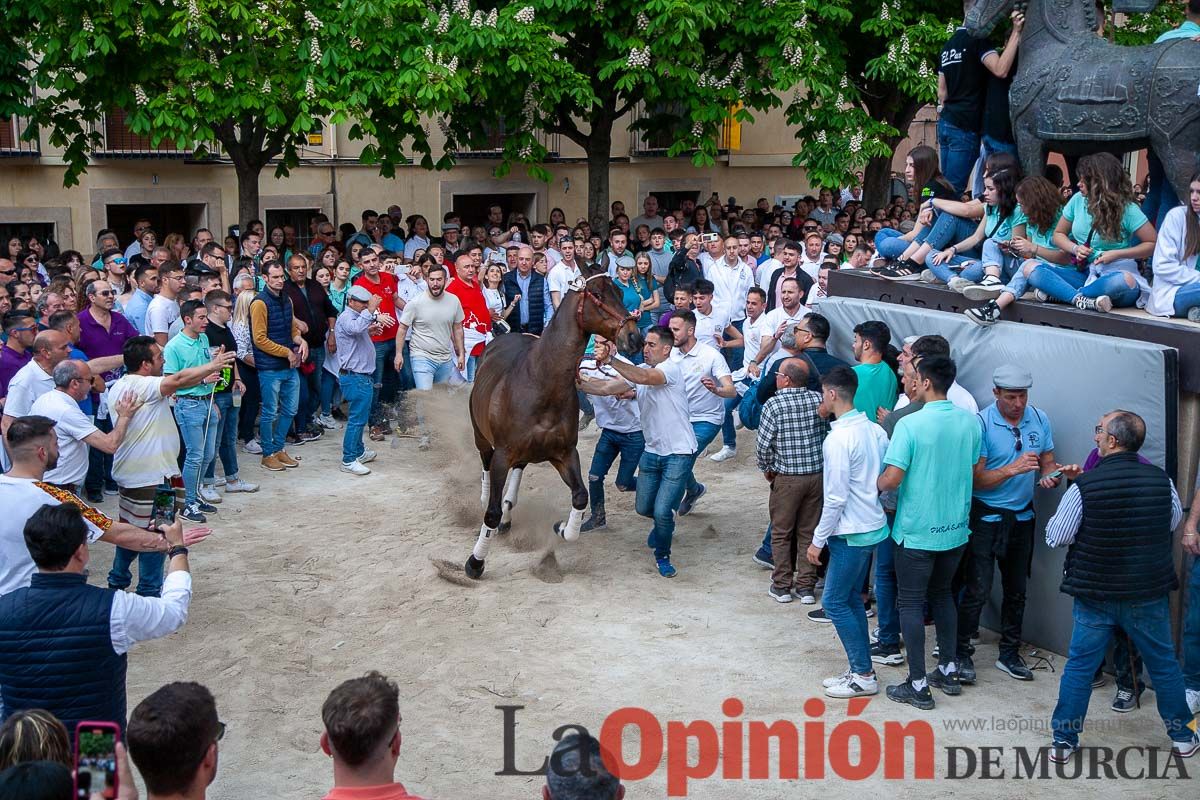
(1076, 93)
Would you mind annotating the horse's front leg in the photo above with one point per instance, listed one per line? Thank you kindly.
(511, 489)
(568, 470)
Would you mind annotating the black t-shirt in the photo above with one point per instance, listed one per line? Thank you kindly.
(962, 64)
(937, 189)
(218, 336)
(996, 120)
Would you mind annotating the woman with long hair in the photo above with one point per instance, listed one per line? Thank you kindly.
(1095, 230)
(278, 238)
(557, 217)
(239, 326)
(922, 173)
(179, 247)
(418, 236)
(493, 292)
(953, 267)
(646, 287)
(1176, 289)
(339, 284)
(701, 222)
(1039, 208)
(85, 277)
(15, 246)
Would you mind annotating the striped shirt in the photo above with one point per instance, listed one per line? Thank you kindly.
(791, 433)
(1062, 527)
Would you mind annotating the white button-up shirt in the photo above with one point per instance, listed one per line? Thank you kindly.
(853, 453)
(731, 282)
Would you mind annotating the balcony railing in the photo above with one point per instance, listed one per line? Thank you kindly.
(120, 142)
(11, 143)
(493, 145)
(652, 144)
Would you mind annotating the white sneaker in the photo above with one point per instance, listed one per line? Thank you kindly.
(836, 679)
(806, 599)
(958, 283)
(221, 481)
(355, 468)
(252, 446)
(367, 456)
(1193, 700)
(854, 686)
(724, 454)
(424, 443)
(327, 422)
(239, 485)
(209, 494)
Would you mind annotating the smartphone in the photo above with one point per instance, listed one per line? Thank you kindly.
(96, 759)
(709, 237)
(164, 507)
(1056, 474)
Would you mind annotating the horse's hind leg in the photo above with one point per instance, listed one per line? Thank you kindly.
(497, 473)
(512, 488)
(568, 470)
(485, 456)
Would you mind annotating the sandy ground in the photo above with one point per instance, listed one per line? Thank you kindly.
(321, 577)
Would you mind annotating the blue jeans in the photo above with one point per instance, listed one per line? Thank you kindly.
(385, 356)
(1187, 297)
(426, 372)
(280, 398)
(329, 385)
(472, 363)
(661, 482)
(226, 440)
(358, 391)
(954, 268)
(1148, 624)
(957, 151)
(1161, 198)
(988, 146)
(193, 417)
(629, 446)
(1191, 631)
(1064, 283)
(843, 601)
(948, 229)
(886, 590)
(993, 256)
(728, 430)
(890, 245)
(150, 571)
(99, 472)
(705, 433)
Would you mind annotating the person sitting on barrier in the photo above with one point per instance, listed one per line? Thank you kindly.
(953, 221)
(1176, 289)
(920, 169)
(992, 237)
(1096, 227)
(1040, 207)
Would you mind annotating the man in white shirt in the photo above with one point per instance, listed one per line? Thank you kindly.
(33, 380)
(814, 254)
(933, 345)
(34, 446)
(670, 441)
(163, 310)
(852, 523)
(650, 216)
(620, 433)
(753, 332)
(731, 278)
(563, 273)
(771, 278)
(59, 617)
(778, 322)
(76, 431)
(706, 378)
(712, 321)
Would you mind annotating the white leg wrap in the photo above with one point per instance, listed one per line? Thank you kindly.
(483, 543)
(511, 487)
(485, 493)
(570, 531)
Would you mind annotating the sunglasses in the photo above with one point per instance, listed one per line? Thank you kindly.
(220, 730)
(34, 328)
(1018, 446)
(105, 294)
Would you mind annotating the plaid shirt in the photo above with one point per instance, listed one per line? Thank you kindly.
(791, 433)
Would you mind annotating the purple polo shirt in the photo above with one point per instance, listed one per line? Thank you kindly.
(10, 362)
(97, 342)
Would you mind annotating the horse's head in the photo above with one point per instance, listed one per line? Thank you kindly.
(602, 310)
(984, 15)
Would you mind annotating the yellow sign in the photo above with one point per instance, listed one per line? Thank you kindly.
(733, 129)
(316, 139)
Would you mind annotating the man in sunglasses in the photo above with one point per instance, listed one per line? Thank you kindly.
(173, 736)
(21, 328)
(1016, 455)
(116, 272)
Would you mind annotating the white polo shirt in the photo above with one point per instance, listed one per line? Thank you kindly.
(664, 413)
(560, 278)
(776, 317)
(612, 413)
(20, 497)
(753, 331)
(710, 328)
(732, 283)
(71, 428)
(30, 383)
(701, 361)
(956, 395)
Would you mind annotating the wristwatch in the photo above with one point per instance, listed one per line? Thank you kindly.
(176, 550)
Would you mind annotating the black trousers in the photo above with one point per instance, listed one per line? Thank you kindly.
(1007, 543)
(251, 402)
(922, 574)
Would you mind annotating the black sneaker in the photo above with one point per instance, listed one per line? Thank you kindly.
(206, 508)
(1014, 666)
(593, 523)
(949, 684)
(1061, 752)
(780, 595)
(819, 615)
(966, 669)
(763, 559)
(689, 500)
(905, 693)
(94, 496)
(984, 316)
(1125, 702)
(888, 654)
(192, 513)
(903, 271)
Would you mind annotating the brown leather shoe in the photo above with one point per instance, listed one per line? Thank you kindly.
(283, 458)
(271, 462)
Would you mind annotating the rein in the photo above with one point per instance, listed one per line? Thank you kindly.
(598, 302)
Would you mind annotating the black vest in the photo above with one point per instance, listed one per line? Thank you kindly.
(56, 651)
(279, 329)
(1123, 548)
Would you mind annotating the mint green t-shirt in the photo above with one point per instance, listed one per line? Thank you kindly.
(868, 538)
(1188, 30)
(183, 352)
(876, 387)
(1043, 239)
(1076, 212)
(937, 448)
(998, 229)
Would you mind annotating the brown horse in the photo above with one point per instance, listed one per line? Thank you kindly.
(524, 409)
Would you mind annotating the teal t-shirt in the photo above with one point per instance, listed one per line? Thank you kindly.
(1043, 239)
(1188, 30)
(183, 352)
(937, 448)
(1076, 212)
(876, 387)
(999, 229)
(867, 539)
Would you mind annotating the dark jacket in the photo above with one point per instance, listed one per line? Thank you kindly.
(682, 273)
(765, 388)
(1122, 550)
(536, 298)
(311, 304)
(56, 650)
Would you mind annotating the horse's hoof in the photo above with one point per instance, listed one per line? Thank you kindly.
(473, 567)
(505, 527)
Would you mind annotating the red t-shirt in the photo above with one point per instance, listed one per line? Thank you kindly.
(385, 288)
(475, 309)
(389, 791)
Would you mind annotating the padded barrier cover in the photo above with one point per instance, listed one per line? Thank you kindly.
(1077, 377)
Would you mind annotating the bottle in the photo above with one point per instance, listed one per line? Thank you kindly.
(237, 397)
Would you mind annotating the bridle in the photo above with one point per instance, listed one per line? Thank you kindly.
(580, 284)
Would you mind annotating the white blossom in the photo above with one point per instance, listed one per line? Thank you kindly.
(477, 19)
(638, 57)
(87, 24)
(314, 50)
(462, 8)
(452, 67)
(697, 130)
(525, 15)
(904, 43)
(821, 139)
(856, 142)
(525, 153)
(193, 10)
(310, 90)
(266, 87)
(139, 95)
(802, 23)
(923, 71)
(844, 83)
(139, 28)
(312, 21)
(229, 81)
(356, 43)
(891, 53)
(443, 23)
(643, 22)
(884, 13)
(599, 6)
(429, 52)
(491, 18)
